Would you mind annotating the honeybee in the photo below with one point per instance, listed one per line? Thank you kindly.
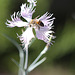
(36, 22)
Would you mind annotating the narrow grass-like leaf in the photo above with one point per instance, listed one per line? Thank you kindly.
(15, 62)
(13, 41)
(21, 53)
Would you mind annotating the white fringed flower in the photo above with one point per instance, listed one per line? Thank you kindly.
(42, 25)
(26, 37)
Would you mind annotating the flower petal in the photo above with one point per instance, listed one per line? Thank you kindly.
(32, 1)
(44, 34)
(26, 37)
(41, 35)
(27, 11)
(16, 21)
(46, 19)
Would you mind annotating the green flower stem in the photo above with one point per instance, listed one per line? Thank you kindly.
(42, 52)
(33, 65)
(26, 60)
(21, 63)
(37, 64)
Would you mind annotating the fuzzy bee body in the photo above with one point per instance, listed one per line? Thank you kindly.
(40, 23)
(37, 22)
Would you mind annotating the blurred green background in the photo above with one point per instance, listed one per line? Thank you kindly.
(60, 57)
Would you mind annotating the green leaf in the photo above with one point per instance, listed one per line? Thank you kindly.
(14, 42)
